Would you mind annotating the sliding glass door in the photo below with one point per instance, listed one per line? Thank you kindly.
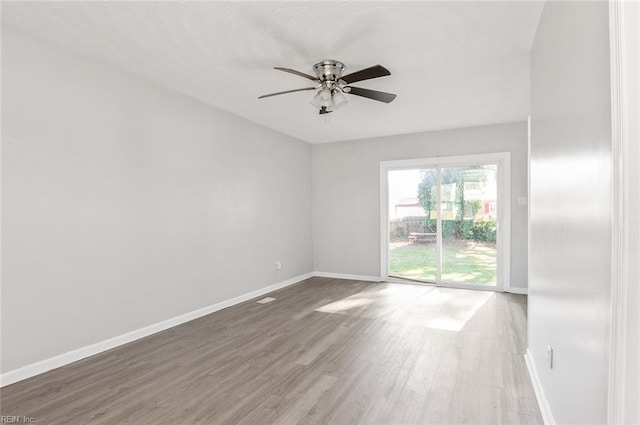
(443, 221)
(468, 205)
(413, 251)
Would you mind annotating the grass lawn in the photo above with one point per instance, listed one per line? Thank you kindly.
(462, 261)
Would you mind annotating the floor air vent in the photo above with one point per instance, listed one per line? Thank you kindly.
(265, 300)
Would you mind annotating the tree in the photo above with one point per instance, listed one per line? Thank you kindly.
(427, 197)
(456, 176)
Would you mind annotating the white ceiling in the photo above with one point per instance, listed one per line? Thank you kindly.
(453, 64)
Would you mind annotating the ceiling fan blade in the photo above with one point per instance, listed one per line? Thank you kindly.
(372, 94)
(298, 73)
(366, 74)
(285, 92)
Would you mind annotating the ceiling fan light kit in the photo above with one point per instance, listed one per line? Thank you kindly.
(332, 85)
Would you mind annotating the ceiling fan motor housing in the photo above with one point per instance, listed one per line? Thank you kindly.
(329, 70)
(333, 84)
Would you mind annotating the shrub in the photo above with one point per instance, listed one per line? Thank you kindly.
(475, 230)
(484, 230)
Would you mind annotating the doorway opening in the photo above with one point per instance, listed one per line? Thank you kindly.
(445, 221)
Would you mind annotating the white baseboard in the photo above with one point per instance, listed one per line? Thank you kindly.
(348, 276)
(514, 290)
(545, 407)
(43, 366)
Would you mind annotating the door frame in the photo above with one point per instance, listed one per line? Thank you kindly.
(503, 241)
(624, 39)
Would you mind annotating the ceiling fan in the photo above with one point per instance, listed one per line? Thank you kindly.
(332, 85)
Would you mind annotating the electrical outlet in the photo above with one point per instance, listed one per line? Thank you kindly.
(550, 356)
(522, 200)
(278, 265)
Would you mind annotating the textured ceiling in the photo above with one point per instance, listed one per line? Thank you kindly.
(453, 64)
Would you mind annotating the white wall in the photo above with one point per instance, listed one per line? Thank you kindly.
(125, 204)
(346, 192)
(569, 280)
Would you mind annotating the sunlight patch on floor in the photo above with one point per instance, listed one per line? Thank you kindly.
(346, 304)
(428, 306)
(450, 309)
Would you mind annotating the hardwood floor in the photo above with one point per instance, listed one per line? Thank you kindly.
(327, 351)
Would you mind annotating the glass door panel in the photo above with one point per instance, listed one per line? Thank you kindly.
(413, 250)
(468, 210)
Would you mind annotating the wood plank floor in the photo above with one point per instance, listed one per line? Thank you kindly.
(327, 351)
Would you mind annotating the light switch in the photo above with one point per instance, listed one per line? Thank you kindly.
(522, 200)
